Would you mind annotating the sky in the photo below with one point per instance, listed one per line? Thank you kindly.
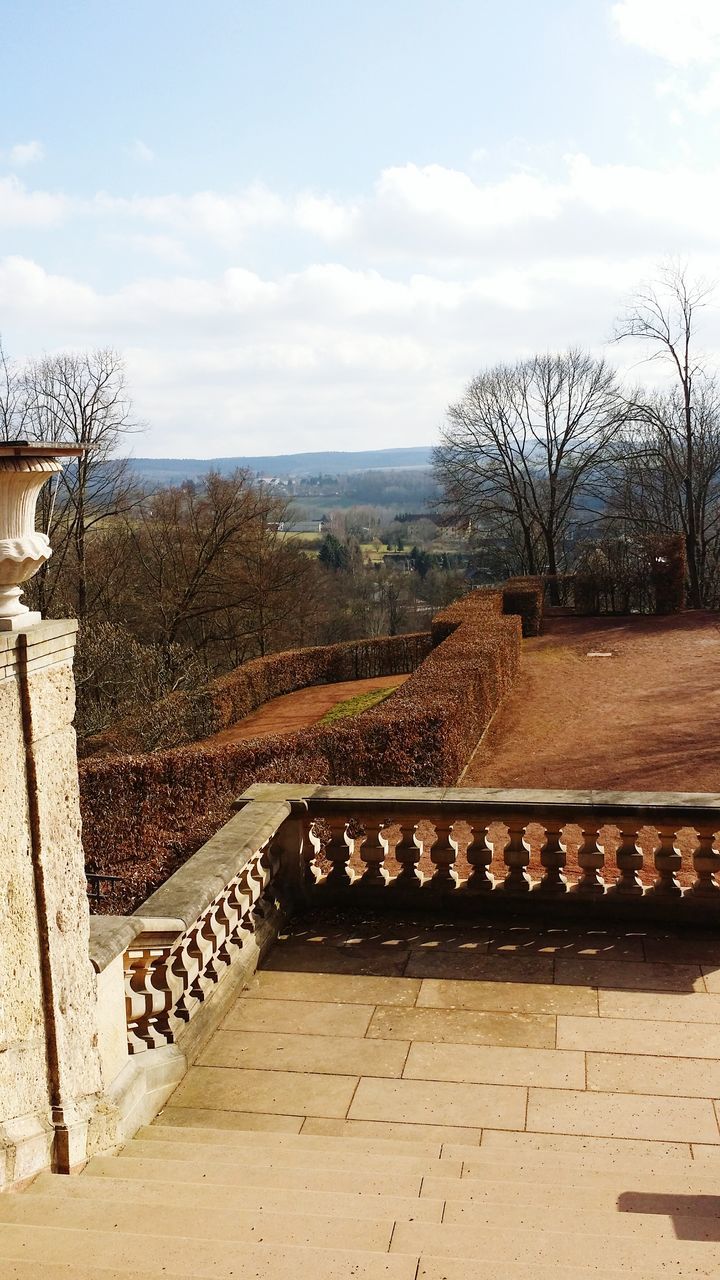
(307, 225)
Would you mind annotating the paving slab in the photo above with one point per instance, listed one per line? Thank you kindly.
(437, 1102)
(283, 1051)
(628, 975)
(591, 943)
(307, 1017)
(621, 1115)
(285, 1092)
(302, 958)
(234, 1121)
(621, 1035)
(660, 1007)
(489, 1064)
(333, 988)
(638, 1073)
(464, 1026)
(469, 966)
(507, 997)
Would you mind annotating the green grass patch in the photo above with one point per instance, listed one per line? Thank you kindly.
(354, 706)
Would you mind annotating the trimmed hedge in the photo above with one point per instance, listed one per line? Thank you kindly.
(525, 596)
(143, 815)
(189, 717)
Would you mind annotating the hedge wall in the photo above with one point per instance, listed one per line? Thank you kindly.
(189, 717)
(143, 815)
(525, 596)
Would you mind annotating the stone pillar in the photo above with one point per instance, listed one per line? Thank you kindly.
(50, 1081)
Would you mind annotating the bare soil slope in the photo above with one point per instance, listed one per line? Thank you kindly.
(644, 719)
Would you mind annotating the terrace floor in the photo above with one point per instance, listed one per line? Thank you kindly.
(404, 1101)
(480, 1034)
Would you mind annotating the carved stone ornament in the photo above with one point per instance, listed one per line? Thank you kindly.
(24, 469)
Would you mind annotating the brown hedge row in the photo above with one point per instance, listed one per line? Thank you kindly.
(525, 596)
(144, 815)
(189, 717)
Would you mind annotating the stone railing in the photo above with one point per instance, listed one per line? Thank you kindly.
(649, 856)
(640, 857)
(208, 915)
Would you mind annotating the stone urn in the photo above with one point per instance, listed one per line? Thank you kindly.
(24, 469)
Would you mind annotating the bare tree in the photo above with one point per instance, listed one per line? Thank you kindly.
(650, 494)
(210, 571)
(665, 314)
(524, 447)
(14, 417)
(81, 397)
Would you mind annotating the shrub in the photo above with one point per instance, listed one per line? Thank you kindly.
(145, 814)
(187, 717)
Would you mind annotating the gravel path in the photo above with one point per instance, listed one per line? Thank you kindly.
(300, 709)
(644, 719)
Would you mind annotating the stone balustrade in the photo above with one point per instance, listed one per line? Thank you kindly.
(640, 857)
(655, 856)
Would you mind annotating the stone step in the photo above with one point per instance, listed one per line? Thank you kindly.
(243, 1140)
(318, 1230)
(95, 1253)
(506, 1243)
(257, 1199)
(321, 1179)
(229, 1216)
(335, 1154)
(520, 1157)
(625, 1198)
(418, 1136)
(470, 1161)
(430, 1269)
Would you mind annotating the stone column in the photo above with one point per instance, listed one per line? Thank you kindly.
(49, 1066)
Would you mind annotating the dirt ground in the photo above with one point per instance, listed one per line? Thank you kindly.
(300, 709)
(644, 719)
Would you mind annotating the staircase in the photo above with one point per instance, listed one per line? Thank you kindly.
(331, 1130)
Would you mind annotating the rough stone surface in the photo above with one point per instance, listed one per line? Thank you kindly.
(40, 833)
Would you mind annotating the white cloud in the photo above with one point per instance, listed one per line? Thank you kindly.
(20, 207)
(140, 150)
(679, 32)
(386, 304)
(687, 36)
(25, 153)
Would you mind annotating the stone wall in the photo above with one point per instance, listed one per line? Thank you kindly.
(51, 1109)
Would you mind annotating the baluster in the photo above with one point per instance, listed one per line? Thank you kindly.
(706, 861)
(373, 851)
(590, 862)
(629, 859)
(516, 856)
(312, 847)
(553, 857)
(668, 861)
(443, 855)
(479, 855)
(407, 854)
(337, 852)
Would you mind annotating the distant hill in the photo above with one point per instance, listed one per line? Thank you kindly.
(175, 470)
